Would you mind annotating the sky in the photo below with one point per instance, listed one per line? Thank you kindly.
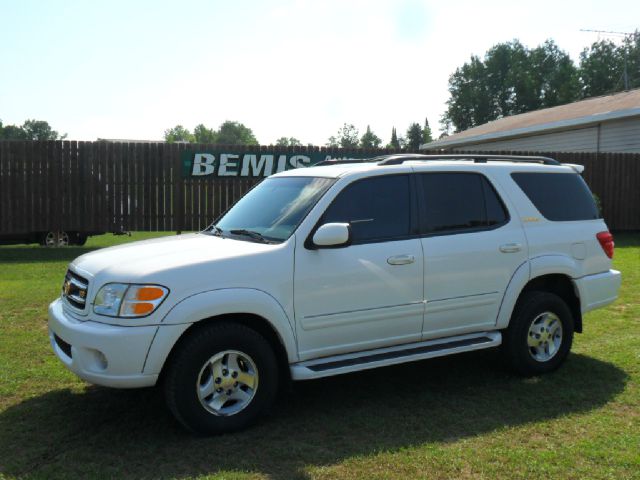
(295, 68)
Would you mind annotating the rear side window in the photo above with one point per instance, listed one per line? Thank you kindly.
(455, 202)
(377, 208)
(558, 196)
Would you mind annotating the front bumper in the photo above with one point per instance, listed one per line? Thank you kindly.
(113, 356)
(598, 290)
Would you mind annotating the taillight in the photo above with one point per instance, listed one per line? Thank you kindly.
(606, 242)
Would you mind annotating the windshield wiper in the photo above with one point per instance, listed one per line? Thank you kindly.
(250, 233)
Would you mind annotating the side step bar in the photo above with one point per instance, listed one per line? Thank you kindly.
(353, 362)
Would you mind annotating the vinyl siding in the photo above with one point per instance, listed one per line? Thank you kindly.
(621, 136)
(615, 136)
(582, 140)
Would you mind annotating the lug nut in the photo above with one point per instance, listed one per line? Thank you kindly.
(219, 390)
(234, 374)
(229, 392)
(218, 380)
(225, 372)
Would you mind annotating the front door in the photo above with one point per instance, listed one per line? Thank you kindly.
(368, 294)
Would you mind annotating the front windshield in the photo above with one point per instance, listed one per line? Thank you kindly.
(275, 207)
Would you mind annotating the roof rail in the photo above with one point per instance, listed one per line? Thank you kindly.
(477, 158)
(340, 161)
(399, 158)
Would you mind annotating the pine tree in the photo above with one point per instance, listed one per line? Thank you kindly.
(394, 139)
(414, 137)
(370, 139)
(426, 132)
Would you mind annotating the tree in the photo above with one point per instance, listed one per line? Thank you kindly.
(30, 130)
(601, 68)
(370, 139)
(394, 143)
(288, 142)
(469, 103)
(202, 134)
(426, 132)
(332, 142)
(40, 130)
(557, 80)
(235, 133)
(347, 137)
(631, 51)
(178, 134)
(229, 133)
(511, 79)
(414, 137)
(11, 132)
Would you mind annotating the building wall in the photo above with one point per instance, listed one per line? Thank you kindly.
(616, 136)
(620, 136)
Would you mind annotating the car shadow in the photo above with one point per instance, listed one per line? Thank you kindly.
(99, 432)
(41, 255)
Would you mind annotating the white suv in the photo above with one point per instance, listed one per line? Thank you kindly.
(342, 267)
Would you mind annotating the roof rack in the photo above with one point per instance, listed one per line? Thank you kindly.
(340, 161)
(400, 158)
(477, 158)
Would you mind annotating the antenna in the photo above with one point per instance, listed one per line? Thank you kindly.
(608, 32)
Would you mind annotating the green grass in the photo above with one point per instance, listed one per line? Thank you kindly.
(457, 417)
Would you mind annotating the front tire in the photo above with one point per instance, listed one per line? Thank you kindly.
(539, 335)
(221, 379)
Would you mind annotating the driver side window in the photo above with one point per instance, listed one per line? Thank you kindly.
(377, 208)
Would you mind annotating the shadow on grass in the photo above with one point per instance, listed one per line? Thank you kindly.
(129, 434)
(41, 255)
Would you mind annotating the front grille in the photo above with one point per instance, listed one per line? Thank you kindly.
(74, 290)
(64, 346)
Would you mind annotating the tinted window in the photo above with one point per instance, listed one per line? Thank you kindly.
(460, 201)
(376, 208)
(496, 213)
(558, 196)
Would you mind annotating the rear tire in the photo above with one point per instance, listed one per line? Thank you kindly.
(221, 379)
(539, 335)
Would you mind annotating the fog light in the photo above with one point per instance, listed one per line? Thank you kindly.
(98, 360)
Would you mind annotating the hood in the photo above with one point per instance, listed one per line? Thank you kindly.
(150, 260)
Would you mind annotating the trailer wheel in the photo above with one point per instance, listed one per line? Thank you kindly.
(54, 239)
(79, 239)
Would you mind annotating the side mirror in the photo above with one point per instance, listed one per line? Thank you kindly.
(332, 235)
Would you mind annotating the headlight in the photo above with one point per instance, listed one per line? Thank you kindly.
(125, 300)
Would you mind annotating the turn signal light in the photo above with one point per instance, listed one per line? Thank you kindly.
(138, 308)
(149, 293)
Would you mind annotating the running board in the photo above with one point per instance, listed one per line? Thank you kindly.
(353, 362)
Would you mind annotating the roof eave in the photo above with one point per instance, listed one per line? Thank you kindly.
(535, 129)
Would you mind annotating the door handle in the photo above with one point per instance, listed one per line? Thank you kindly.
(510, 247)
(401, 259)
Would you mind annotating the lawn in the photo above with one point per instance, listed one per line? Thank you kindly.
(458, 417)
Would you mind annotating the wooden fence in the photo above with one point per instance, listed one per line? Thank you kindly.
(111, 187)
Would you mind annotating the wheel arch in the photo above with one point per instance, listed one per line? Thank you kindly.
(563, 286)
(552, 273)
(559, 284)
(249, 320)
(253, 308)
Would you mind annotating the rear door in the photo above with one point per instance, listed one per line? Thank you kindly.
(472, 247)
